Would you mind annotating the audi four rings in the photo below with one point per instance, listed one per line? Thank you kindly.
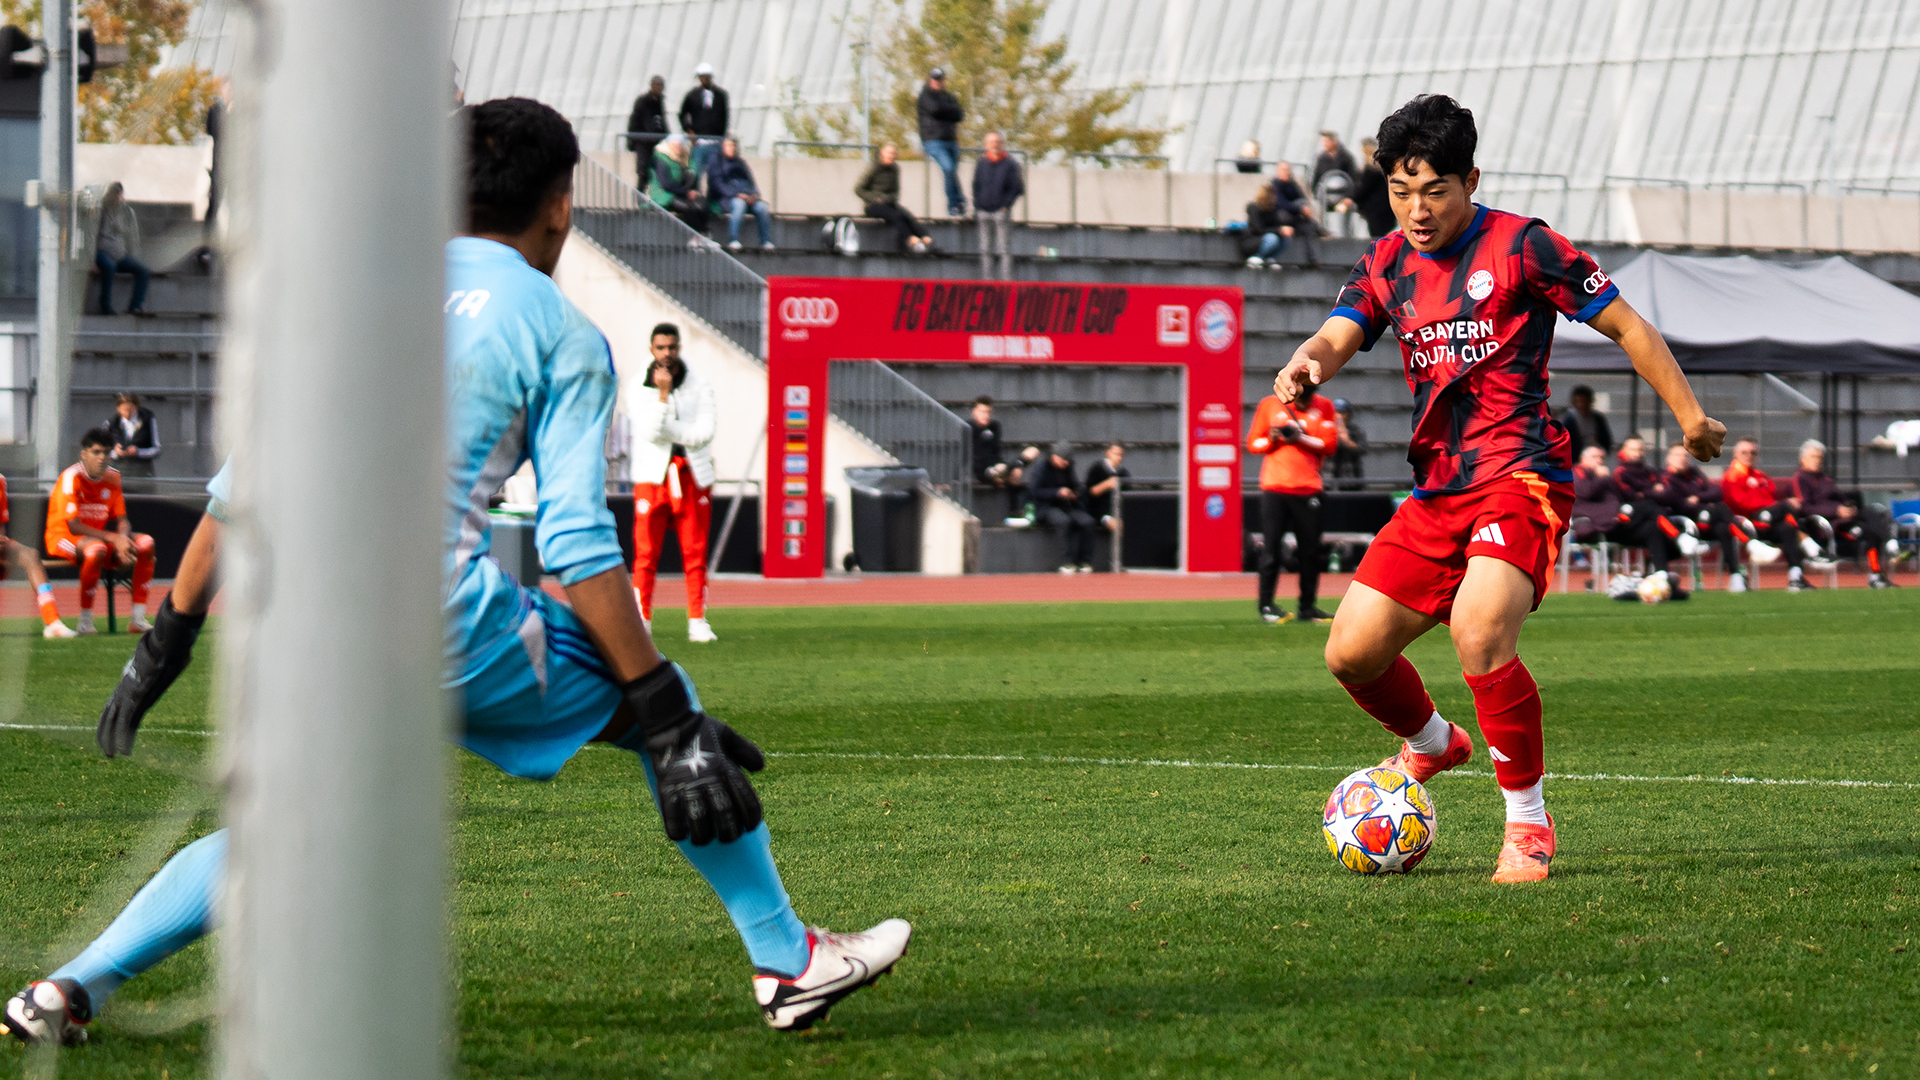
(809, 311)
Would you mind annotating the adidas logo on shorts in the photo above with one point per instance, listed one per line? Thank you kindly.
(1491, 534)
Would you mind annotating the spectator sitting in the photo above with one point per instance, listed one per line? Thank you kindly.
(986, 459)
(1267, 230)
(997, 185)
(1751, 494)
(1350, 454)
(1370, 194)
(116, 248)
(1631, 475)
(1812, 491)
(1600, 511)
(940, 114)
(703, 116)
(1060, 502)
(1642, 509)
(730, 184)
(87, 523)
(1249, 160)
(1103, 484)
(136, 436)
(647, 124)
(879, 194)
(1686, 493)
(673, 186)
(1296, 209)
(1586, 427)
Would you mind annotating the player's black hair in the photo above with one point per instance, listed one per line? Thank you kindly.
(1583, 388)
(97, 437)
(520, 153)
(1432, 128)
(984, 400)
(665, 329)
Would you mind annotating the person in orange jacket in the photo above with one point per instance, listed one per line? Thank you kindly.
(1295, 438)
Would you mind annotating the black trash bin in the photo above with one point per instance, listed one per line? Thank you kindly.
(886, 517)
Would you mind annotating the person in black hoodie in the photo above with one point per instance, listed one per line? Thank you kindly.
(704, 116)
(1812, 491)
(1060, 501)
(997, 185)
(940, 115)
(1370, 194)
(647, 124)
(1296, 208)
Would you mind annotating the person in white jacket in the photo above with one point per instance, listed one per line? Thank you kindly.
(672, 416)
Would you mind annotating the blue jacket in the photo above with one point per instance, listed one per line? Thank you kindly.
(997, 184)
(727, 177)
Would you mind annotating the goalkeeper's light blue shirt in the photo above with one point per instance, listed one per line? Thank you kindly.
(528, 378)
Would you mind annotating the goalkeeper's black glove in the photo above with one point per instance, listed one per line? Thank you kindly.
(696, 759)
(162, 654)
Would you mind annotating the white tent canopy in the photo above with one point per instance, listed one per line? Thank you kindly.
(1743, 315)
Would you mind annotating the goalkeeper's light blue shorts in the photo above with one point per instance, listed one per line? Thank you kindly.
(541, 697)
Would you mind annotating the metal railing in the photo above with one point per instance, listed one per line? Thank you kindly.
(1726, 212)
(1073, 179)
(1604, 208)
(1556, 180)
(904, 421)
(686, 265)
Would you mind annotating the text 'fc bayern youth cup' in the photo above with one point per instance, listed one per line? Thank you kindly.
(1379, 821)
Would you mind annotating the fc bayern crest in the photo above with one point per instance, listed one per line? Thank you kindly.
(1216, 325)
(1480, 284)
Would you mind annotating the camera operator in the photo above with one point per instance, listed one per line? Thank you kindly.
(1294, 438)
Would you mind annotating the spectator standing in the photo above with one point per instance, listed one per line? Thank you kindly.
(1268, 231)
(14, 553)
(997, 185)
(730, 184)
(1103, 487)
(1584, 425)
(136, 436)
(673, 416)
(1334, 157)
(1350, 454)
(1060, 502)
(1333, 178)
(1686, 493)
(216, 118)
(1370, 194)
(674, 186)
(704, 116)
(987, 456)
(116, 249)
(1812, 491)
(940, 115)
(647, 124)
(879, 195)
(1293, 438)
(87, 522)
(1296, 208)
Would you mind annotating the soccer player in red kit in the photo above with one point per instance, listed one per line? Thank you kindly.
(1472, 295)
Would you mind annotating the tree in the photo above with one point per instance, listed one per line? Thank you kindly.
(133, 102)
(1008, 79)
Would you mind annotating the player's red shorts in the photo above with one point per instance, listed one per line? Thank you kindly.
(1420, 557)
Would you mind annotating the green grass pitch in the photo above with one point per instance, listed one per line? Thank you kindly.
(982, 771)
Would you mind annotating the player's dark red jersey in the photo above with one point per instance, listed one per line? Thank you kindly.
(1475, 323)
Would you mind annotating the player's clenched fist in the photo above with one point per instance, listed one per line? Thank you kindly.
(1300, 371)
(696, 760)
(1705, 437)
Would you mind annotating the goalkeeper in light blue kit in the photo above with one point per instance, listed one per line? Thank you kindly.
(528, 378)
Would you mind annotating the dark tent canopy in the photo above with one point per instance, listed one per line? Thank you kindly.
(1742, 316)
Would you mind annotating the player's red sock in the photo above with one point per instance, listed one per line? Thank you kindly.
(1507, 702)
(142, 566)
(92, 562)
(1398, 699)
(1873, 559)
(1667, 526)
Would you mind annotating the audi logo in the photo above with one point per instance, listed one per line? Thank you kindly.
(809, 311)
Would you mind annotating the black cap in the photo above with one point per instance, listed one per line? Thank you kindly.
(1062, 448)
(1342, 405)
(937, 73)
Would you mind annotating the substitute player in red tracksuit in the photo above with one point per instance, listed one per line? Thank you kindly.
(1472, 295)
(672, 414)
(87, 522)
(1294, 439)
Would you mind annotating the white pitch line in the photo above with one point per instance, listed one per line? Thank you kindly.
(1171, 763)
(1262, 767)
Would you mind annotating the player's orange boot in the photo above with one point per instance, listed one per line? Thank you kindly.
(1424, 767)
(1526, 854)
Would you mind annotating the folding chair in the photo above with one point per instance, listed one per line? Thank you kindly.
(110, 578)
(1597, 555)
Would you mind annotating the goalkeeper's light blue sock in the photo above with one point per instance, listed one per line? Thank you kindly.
(172, 911)
(742, 874)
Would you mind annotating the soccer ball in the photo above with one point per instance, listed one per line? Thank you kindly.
(1379, 821)
(1655, 588)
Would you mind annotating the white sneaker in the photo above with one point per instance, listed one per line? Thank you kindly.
(1255, 262)
(837, 965)
(1689, 545)
(1069, 568)
(138, 624)
(50, 1012)
(1812, 549)
(84, 624)
(1762, 552)
(699, 630)
(57, 629)
(1737, 583)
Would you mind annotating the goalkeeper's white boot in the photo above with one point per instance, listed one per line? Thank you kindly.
(49, 1011)
(837, 965)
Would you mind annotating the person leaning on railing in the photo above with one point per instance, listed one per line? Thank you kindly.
(879, 195)
(674, 186)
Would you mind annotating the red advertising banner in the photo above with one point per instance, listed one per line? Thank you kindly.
(812, 321)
